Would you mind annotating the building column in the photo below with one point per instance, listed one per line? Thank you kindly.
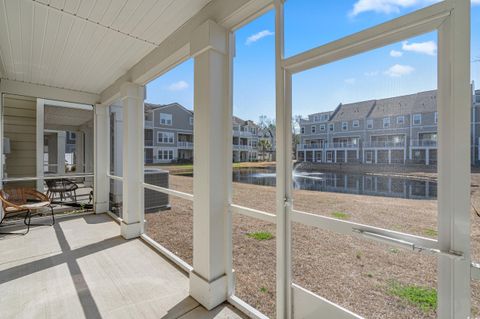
(208, 279)
(102, 158)
(313, 156)
(88, 154)
(346, 154)
(376, 156)
(389, 156)
(132, 96)
(304, 156)
(427, 156)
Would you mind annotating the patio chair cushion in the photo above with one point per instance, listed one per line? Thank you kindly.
(31, 206)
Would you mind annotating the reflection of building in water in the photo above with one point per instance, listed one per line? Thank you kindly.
(367, 185)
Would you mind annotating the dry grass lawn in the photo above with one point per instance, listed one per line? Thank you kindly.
(356, 273)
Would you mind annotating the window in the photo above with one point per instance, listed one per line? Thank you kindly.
(400, 120)
(356, 123)
(322, 127)
(165, 137)
(386, 122)
(73, 136)
(330, 127)
(316, 118)
(313, 129)
(302, 130)
(165, 155)
(344, 126)
(165, 119)
(417, 119)
(436, 117)
(191, 120)
(325, 117)
(369, 124)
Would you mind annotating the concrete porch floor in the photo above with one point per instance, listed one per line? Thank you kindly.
(82, 268)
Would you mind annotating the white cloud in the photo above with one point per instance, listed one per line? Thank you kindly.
(178, 86)
(475, 2)
(257, 36)
(371, 73)
(428, 47)
(396, 54)
(350, 81)
(399, 70)
(381, 6)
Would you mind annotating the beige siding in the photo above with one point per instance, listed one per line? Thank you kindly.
(19, 122)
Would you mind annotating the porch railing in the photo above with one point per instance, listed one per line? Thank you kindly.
(423, 143)
(384, 144)
(182, 144)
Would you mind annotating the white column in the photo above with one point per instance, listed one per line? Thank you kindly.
(454, 103)
(208, 279)
(427, 156)
(376, 156)
(61, 140)
(389, 156)
(39, 142)
(132, 96)
(102, 158)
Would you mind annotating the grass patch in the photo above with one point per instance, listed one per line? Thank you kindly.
(262, 235)
(422, 297)
(340, 215)
(263, 289)
(430, 232)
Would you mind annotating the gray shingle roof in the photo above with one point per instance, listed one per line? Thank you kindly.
(422, 102)
(352, 111)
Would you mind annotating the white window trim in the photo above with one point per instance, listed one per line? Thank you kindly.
(413, 119)
(322, 127)
(313, 129)
(169, 134)
(169, 117)
(369, 124)
(402, 119)
(356, 123)
(344, 126)
(386, 122)
(331, 127)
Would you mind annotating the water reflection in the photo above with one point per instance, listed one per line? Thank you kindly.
(341, 182)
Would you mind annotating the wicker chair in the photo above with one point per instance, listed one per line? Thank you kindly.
(64, 187)
(16, 201)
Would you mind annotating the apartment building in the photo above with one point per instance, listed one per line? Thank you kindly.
(397, 130)
(169, 135)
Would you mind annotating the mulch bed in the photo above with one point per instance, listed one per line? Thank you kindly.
(356, 273)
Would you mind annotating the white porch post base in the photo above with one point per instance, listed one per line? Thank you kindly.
(131, 230)
(209, 293)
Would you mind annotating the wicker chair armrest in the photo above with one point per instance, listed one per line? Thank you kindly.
(6, 203)
(37, 195)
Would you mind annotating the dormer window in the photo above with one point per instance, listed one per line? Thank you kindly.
(344, 126)
(356, 123)
(417, 119)
(369, 124)
(386, 122)
(400, 120)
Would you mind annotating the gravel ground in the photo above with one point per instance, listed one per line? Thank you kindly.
(353, 272)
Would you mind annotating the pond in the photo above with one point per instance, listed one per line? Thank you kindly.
(341, 182)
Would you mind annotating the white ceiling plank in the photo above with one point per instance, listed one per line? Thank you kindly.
(151, 16)
(12, 9)
(88, 50)
(71, 47)
(60, 4)
(85, 8)
(27, 18)
(139, 15)
(124, 15)
(39, 25)
(113, 11)
(78, 53)
(5, 49)
(99, 10)
(105, 50)
(51, 35)
(65, 29)
(71, 6)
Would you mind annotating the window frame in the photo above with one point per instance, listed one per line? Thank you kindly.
(402, 122)
(369, 124)
(420, 119)
(168, 121)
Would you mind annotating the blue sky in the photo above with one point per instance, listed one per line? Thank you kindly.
(401, 68)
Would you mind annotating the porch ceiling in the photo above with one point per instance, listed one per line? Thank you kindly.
(84, 45)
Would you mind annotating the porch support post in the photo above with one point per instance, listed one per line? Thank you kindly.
(208, 279)
(427, 156)
(454, 104)
(102, 158)
(79, 152)
(132, 96)
(61, 140)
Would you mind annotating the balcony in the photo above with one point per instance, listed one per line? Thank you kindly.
(384, 144)
(242, 147)
(341, 145)
(243, 133)
(185, 145)
(302, 147)
(423, 143)
(148, 124)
